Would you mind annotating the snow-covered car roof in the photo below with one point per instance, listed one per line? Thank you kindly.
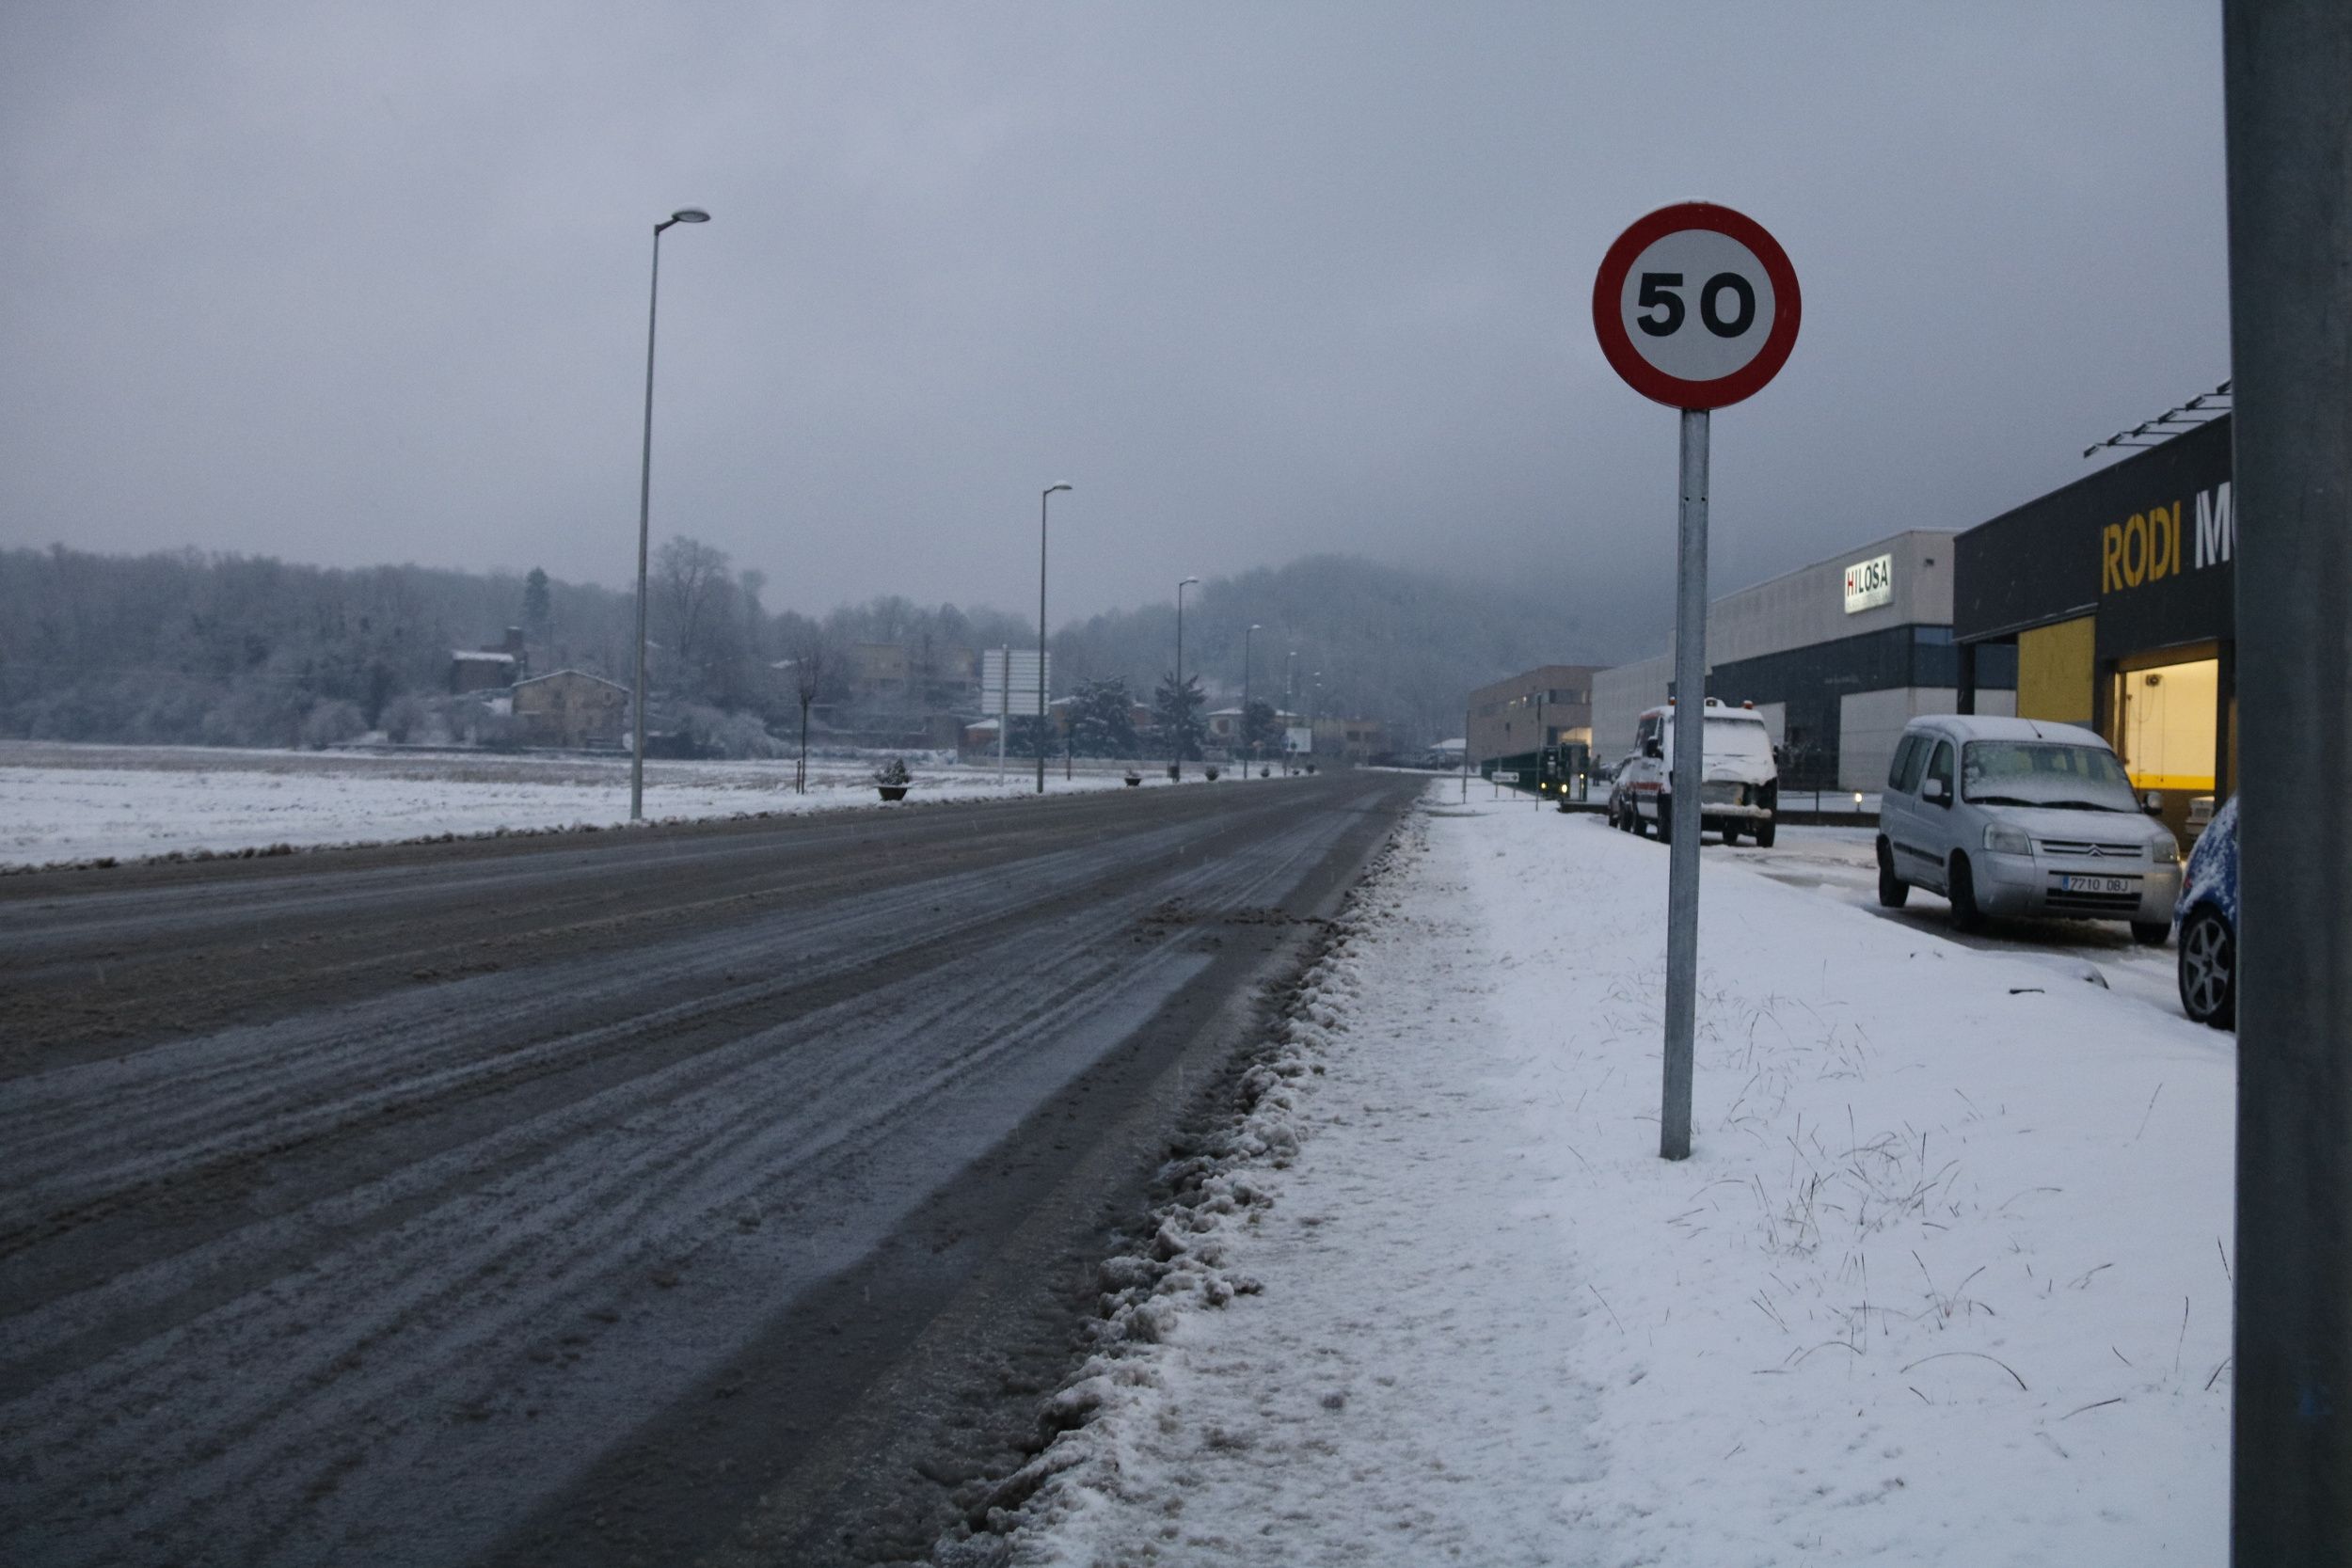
(1977, 726)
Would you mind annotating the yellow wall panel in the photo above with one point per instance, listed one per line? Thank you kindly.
(2054, 671)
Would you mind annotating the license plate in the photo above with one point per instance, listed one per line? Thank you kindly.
(2098, 884)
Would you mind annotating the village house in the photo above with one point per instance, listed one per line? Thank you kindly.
(493, 667)
(571, 707)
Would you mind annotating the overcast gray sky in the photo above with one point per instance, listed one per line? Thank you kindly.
(352, 283)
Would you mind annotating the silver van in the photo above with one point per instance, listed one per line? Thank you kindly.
(2017, 816)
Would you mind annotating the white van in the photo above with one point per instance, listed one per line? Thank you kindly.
(1739, 782)
(2022, 816)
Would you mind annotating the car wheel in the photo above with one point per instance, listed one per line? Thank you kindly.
(2150, 933)
(1765, 831)
(1731, 835)
(1893, 891)
(1967, 916)
(2208, 969)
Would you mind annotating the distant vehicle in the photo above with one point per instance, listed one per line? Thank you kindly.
(2207, 922)
(2016, 816)
(1740, 783)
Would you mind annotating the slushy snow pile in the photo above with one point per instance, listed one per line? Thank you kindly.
(64, 804)
(1944, 1281)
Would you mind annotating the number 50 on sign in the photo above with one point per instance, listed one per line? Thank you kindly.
(1696, 305)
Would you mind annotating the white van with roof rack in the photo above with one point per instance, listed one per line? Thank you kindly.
(1739, 781)
(2020, 817)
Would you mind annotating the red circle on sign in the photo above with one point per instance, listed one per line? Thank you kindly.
(1647, 378)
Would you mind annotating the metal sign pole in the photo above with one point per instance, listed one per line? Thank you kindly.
(2284, 63)
(1690, 722)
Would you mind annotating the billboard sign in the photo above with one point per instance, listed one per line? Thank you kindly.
(1869, 585)
(1008, 682)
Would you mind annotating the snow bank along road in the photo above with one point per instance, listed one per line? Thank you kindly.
(1945, 1281)
(542, 1201)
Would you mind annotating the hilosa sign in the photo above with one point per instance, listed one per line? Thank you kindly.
(2151, 546)
(1869, 585)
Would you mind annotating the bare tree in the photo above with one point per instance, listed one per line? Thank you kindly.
(690, 579)
(813, 656)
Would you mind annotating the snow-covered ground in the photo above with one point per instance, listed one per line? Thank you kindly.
(67, 804)
(1944, 1281)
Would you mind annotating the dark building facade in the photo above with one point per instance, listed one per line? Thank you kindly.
(2116, 596)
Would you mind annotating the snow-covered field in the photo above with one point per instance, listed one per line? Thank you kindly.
(1944, 1281)
(67, 804)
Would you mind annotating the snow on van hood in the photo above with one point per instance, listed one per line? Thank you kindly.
(2101, 827)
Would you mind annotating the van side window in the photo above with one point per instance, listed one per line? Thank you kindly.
(1903, 774)
(1918, 762)
(1941, 768)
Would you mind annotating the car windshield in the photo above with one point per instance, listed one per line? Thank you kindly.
(2044, 773)
(1739, 738)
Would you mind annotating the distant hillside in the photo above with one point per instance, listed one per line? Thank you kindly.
(230, 650)
(1395, 644)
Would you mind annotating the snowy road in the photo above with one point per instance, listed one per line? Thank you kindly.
(546, 1201)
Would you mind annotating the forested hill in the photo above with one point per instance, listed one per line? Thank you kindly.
(1394, 645)
(230, 650)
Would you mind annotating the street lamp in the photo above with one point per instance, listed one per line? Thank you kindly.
(1290, 705)
(1178, 710)
(1250, 753)
(644, 514)
(1041, 631)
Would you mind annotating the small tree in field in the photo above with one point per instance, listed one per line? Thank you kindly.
(1260, 729)
(812, 660)
(1102, 720)
(1178, 710)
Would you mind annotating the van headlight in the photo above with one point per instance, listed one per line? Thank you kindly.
(2165, 850)
(2006, 841)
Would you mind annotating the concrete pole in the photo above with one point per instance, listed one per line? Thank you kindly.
(1690, 732)
(2285, 66)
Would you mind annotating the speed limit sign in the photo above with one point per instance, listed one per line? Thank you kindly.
(1696, 305)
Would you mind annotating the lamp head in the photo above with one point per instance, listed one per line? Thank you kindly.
(1186, 582)
(1051, 488)
(689, 214)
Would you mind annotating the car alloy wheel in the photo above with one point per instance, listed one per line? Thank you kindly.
(2208, 969)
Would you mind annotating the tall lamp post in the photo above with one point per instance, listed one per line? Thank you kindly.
(1290, 705)
(1178, 709)
(644, 514)
(1251, 746)
(1041, 631)
(1314, 711)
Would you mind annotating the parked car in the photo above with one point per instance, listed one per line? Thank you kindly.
(1740, 783)
(2207, 922)
(2017, 816)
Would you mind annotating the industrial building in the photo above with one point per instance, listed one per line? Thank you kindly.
(1838, 657)
(1548, 705)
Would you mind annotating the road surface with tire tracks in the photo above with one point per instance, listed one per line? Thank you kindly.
(654, 1196)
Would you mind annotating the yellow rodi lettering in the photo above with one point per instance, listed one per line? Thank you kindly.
(2135, 549)
(2164, 541)
(2110, 557)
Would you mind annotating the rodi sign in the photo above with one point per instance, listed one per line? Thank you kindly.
(2148, 545)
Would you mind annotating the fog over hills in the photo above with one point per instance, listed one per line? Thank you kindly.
(188, 648)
